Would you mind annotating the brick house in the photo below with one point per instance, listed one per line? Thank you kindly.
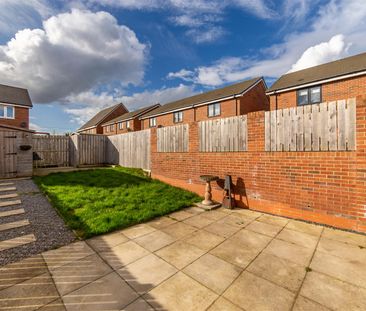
(14, 107)
(128, 122)
(341, 79)
(94, 125)
(232, 100)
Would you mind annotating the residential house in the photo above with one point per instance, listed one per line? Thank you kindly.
(128, 122)
(14, 107)
(232, 100)
(94, 125)
(341, 79)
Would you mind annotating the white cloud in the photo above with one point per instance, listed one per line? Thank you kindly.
(88, 103)
(73, 53)
(206, 35)
(321, 53)
(320, 43)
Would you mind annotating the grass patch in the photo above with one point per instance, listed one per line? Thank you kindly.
(97, 201)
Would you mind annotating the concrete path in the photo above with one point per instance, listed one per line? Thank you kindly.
(193, 260)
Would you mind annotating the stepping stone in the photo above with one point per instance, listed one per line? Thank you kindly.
(8, 189)
(15, 224)
(6, 184)
(18, 241)
(8, 196)
(13, 212)
(10, 203)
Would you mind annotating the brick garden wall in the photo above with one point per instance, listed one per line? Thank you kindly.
(324, 187)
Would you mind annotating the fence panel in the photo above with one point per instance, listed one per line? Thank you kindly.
(51, 150)
(173, 138)
(91, 149)
(223, 135)
(329, 126)
(130, 149)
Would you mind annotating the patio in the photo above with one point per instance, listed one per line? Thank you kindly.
(193, 260)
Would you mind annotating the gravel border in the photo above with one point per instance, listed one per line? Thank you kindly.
(45, 223)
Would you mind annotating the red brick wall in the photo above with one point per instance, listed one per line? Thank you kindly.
(347, 88)
(135, 125)
(254, 100)
(21, 115)
(324, 187)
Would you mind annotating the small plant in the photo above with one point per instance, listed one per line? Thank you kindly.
(308, 269)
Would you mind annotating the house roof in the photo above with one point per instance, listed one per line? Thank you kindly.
(132, 114)
(99, 117)
(214, 95)
(339, 68)
(15, 95)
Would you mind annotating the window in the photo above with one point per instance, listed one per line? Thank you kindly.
(152, 122)
(308, 96)
(120, 125)
(7, 112)
(178, 117)
(128, 124)
(214, 110)
(111, 128)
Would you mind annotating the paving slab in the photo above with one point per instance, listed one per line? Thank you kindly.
(264, 228)
(238, 220)
(223, 304)
(295, 253)
(16, 242)
(341, 249)
(10, 203)
(305, 227)
(137, 231)
(222, 229)
(107, 293)
(161, 222)
(56, 305)
(6, 184)
(107, 241)
(155, 240)
(123, 254)
(279, 271)
(198, 221)
(304, 304)
(180, 215)
(12, 212)
(146, 273)
(332, 293)
(254, 293)
(8, 196)
(215, 214)
(204, 240)
(213, 272)
(299, 238)
(79, 273)
(273, 220)
(3, 189)
(344, 236)
(66, 254)
(14, 224)
(138, 305)
(29, 295)
(179, 230)
(181, 292)
(251, 239)
(21, 271)
(180, 254)
(349, 270)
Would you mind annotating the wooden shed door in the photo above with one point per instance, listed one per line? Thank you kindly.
(8, 154)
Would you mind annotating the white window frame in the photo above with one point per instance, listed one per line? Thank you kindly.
(309, 93)
(152, 122)
(127, 124)
(178, 117)
(120, 125)
(216, 110)
(6, 112)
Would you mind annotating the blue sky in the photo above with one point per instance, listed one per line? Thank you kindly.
(77, 57)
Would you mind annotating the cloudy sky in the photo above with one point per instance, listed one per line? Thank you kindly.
(79, 56)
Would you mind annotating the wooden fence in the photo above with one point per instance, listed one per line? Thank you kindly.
(173, 138)
(89, 149)
(223, 135)
(130, 149)
(8, 151)
(51, 150)
(319, 127)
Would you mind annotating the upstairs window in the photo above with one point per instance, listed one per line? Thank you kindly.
(214, 110)
(312, 95)
(7, 112)
(178, 117)
(152, 122)
(120, 125)
(111, 128)
(127, 124)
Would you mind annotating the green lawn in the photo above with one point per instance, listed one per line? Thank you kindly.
(102, 200)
